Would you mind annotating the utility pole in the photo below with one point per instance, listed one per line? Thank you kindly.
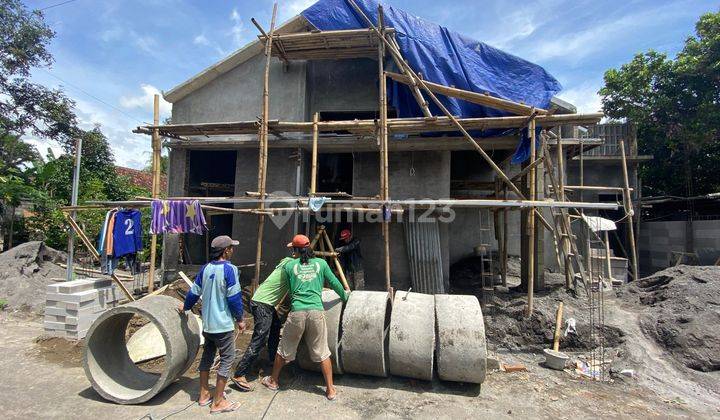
(73, 202)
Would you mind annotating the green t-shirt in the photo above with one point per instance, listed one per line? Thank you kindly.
(306, 283)
(275, 286)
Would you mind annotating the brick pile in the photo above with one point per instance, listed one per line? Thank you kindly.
(71, 307)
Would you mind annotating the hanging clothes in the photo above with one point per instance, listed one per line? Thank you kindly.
(105, 242)
(177, 216)
(127, 238)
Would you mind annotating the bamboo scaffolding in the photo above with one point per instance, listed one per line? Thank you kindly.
(627, 204)
(263, 135)
(415, 125)
(384, 175)
(531, 222)
(156, 168)
(313, 171)
(410, 72)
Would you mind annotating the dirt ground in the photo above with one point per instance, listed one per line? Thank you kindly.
(44, 378)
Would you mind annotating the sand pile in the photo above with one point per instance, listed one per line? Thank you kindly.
(681, 311)
(25, 270)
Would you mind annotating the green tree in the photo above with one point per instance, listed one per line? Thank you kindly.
(27, 107)
(675, 104)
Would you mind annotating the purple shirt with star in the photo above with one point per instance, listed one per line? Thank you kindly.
(177, 216)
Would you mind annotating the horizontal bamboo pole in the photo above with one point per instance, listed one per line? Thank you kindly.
(395, 125)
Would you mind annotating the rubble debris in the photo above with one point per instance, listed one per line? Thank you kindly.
(25, 272)
(682, 313)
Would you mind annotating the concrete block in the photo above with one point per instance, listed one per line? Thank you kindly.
(461, 347)
(76, 335)
(79, 285)
(54, 325)
(54, 333)
(55, 318)
(84, 296)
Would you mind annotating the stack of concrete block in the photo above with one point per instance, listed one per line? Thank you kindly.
(71, 307)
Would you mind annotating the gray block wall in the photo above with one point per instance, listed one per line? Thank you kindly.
(658, 240)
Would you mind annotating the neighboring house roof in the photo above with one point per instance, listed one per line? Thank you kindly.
(250, 50)
(142, 179)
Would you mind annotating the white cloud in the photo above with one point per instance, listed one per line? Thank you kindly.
(584, 97)
(144, 101)
(238, 28)
(201, 40)
(294, 7)
(605, 36)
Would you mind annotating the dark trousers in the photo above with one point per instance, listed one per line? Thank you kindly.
(267, 330)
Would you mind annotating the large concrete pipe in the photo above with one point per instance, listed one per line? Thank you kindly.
(364, 338)
(461, 346)
(333, 315)
(412, 335)
(107, 363)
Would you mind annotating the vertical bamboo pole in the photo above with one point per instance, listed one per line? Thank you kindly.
(385, 181)
(313, 173)
(155, 185)
(608, 265)
(564, 238)
(531, 221)
(504, 254)
(627, 204)
(262, 140)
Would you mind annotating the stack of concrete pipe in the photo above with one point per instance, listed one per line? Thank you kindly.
(412, 336)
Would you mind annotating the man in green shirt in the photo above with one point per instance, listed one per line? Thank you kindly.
(263, 307)
(306, 277)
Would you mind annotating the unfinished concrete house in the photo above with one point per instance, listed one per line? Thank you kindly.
(389, 121)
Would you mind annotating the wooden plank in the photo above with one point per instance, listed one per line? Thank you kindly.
(156, 167)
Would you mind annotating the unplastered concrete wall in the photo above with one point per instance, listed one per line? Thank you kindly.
(342, 85)
(658, 240)
(237, 94)
(412, 175)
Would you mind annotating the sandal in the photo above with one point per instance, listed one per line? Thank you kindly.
(233, 406)
(266, 382)
(244, 387)
(209, 401)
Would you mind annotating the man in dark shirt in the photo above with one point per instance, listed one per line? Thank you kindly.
(351, 259)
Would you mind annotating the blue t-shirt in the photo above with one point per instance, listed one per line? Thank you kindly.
(218, 283)
(127, 233)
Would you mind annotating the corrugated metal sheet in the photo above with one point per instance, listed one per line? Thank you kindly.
(422, 240)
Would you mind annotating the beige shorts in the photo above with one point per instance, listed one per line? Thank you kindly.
(309, 325)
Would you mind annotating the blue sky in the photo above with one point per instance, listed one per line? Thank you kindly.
(111, 56)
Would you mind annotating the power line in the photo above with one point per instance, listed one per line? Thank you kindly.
(95, 97)
(56, 5)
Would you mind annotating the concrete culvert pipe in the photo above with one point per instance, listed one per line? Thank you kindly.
(364, 338)
(107, 363)
(461, 346)
(333, 315)
(412, 335)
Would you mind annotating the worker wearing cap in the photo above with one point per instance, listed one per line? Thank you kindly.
(306, 277)
(351, 259)
(218, 284)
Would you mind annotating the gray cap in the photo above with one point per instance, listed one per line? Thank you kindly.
(223, 241)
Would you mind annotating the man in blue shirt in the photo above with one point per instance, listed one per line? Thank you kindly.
(218, 283)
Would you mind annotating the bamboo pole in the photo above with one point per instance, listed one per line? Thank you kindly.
(313, 173)
(385, 190)
(334, 257)
(410, 72)
(608, 265)
(531, 223)
(90, 247)
(627, 203)
(155, 186)
(263, 135)
(472, 97)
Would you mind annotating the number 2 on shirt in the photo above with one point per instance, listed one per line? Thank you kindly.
(129, 230)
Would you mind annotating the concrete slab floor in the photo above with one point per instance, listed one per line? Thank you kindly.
(34, 387)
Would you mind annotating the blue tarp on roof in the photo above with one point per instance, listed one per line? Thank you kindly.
(445, 57)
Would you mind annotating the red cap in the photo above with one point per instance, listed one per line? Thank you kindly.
(299, 241)
(345, 234)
